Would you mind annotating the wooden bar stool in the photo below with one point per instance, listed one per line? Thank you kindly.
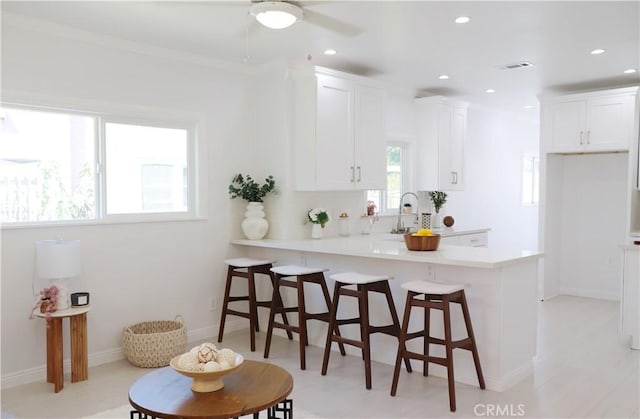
(364, 285)
(436, 296)
(246, 268)
(303, 275)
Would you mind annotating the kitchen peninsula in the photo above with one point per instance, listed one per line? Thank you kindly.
(501, 288)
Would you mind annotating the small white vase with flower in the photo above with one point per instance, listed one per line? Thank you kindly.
(318, 217)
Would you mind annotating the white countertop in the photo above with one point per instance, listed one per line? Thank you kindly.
(392, 247)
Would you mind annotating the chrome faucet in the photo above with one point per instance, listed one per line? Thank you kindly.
(400, 228)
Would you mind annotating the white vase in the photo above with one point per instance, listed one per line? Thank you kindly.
(254, 226)
(436, 221)
(316, 231)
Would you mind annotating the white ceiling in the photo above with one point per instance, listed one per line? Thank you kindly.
(406, 43)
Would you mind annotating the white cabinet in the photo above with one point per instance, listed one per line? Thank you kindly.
(338, 133)
(588, 123)
(630, 302)
(469, 240)
(442, 126)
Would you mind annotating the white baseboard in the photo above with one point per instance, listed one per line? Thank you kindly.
(39, 373)
(589, 293)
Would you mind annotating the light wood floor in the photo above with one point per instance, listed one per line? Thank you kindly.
(583, 369)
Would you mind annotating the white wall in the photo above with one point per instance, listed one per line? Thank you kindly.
(496, 144)
(134, 272)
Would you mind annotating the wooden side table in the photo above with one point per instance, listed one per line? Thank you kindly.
(253, 387)
(79, 357)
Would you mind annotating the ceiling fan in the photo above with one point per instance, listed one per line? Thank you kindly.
(279, 14)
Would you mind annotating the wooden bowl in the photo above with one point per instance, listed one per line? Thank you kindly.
(422, 243)
(205, 382)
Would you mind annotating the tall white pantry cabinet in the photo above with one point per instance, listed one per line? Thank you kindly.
(588, 190)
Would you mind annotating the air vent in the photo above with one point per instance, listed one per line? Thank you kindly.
(514, 66)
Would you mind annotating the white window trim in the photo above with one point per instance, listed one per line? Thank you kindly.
(193, 122)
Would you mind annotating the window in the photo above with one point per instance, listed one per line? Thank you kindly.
(388, 200)
(530, 180)
(49, 161)
(46, 166)
(145, 169)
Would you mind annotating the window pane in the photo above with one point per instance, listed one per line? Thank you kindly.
(46, 166)
(394, 176)
(530, 180)
(145, 169)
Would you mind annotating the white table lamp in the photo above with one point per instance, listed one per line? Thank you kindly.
(58, 261)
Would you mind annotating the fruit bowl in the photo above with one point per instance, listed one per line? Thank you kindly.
(206, 381)
(422, 243)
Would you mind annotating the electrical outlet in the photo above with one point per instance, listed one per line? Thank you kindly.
(213, 304)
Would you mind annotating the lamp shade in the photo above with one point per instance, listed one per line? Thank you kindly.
(276, 14)
(57, 259)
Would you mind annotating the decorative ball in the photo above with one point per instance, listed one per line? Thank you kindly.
(226, 356)
(207, 352)
(212, 366)
(448, 221)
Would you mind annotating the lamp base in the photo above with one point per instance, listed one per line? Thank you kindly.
(63, 295)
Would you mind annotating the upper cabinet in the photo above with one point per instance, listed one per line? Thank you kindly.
(338, 132)
(589, 123)
(442, 129)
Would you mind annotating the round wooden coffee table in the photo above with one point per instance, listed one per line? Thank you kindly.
(253, 387)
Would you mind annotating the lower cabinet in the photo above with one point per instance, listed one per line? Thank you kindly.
(470, 240)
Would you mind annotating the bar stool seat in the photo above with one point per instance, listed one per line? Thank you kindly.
(364, 285)
(431, 295)
(303, 275)
(246, 268)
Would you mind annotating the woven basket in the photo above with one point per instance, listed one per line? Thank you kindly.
(153, 344)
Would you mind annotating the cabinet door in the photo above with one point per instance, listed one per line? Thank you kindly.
(609, 123)
(335, 169)
(451, 135)
(567, 126)
(456, 144)
(370, 149)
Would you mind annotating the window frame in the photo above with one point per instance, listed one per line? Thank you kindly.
(192, 122)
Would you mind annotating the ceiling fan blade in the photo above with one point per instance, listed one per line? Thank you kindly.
(331, 23)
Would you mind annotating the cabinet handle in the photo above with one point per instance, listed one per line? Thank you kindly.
(353, 174)
(588, 135)
(359, 174)
(454, 178)
(581, 135)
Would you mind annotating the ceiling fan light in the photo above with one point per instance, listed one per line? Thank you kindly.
(276, 14)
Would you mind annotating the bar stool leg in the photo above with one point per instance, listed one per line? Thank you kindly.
(402, 342)
(474, 348)
(365, 337)
(280, 304)
(253, 309)
(225, 303)
(394, 316)
(333, 313)
(449, 351)
(427, 336)
(327, 300)
(302, 319)
(272, 313)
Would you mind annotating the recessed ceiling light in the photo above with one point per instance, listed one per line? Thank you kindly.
(597, 51)
(330, 51)
(462, 19)
(630, 71)
(490, 91)
(443, 77)
(528, 106)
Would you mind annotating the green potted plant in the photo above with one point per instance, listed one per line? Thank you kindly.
(438, 199)
(254, 226)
